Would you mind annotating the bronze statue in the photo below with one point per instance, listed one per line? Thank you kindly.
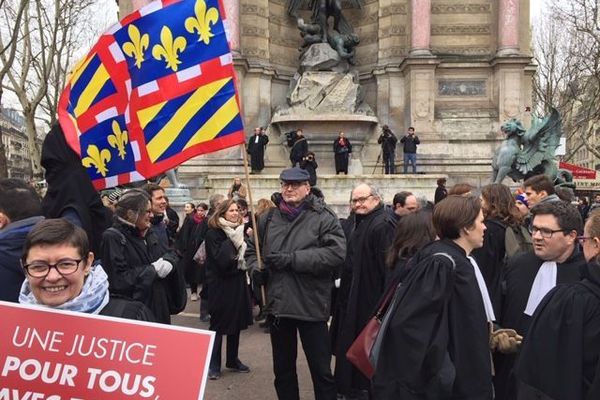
(322, 10)
(525, 153)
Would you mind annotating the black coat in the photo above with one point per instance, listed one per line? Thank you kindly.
(127, 259)
(439, 324)
(123, 308)
(490, 258)
(440, 194)
(228, 293)
(560, 357)
(189, 238)
(388, 143)
(520, 274)
(342, 155)
(256, 149)
(367, 248)
(298, 150)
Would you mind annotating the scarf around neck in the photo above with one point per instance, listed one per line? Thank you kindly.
(235, 233)
(93, 298)
(290, 212)
(544, 281)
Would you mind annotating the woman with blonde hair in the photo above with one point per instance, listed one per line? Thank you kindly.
(228, 294)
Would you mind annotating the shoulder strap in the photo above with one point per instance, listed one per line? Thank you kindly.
(122, 238)
(448, 256)
(265, 227)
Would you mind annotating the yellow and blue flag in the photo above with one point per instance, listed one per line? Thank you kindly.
(156, 89)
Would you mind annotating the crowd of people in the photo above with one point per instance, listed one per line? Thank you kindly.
(494, 294)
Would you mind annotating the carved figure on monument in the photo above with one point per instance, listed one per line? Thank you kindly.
(525, 153)
(322, 10)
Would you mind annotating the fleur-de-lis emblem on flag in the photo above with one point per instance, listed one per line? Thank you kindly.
(202, 22)
(118, 139)
(138, 45)
(97, 158)
(169, 48)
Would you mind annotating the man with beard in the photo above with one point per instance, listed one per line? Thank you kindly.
(555, 259)
(367, 247)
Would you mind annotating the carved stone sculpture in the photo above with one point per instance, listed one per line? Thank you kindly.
(525, 153)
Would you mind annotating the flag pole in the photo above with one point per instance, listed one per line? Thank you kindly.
(253, 217)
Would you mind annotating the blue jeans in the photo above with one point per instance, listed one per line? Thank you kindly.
(389, 160)
(410, 158)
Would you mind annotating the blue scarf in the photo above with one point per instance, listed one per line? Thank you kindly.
(93, 298)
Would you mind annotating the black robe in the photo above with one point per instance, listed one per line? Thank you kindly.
(342, 155)
(299, 150)
(439, 328)
(520, 274)
(257, 151)
(490, 259)
(228, 292)
(366, 252)
(189, 238)
(127, 259)
(560, 357)
(70, 188)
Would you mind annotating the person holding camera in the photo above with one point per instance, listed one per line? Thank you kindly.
(410, 142)
(342, 150)
(388, 141)
(309, 164)
(299, 148)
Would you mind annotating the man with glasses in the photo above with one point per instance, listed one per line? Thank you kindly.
(367, 247)
(302, 245)
(555, 259)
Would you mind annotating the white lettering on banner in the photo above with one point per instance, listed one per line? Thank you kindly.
(30, 370)
(112, 349)
(47, 341)
(111, 381)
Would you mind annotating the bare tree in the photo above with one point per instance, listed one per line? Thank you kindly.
(44, 52)
(8, 50)
(567, 51)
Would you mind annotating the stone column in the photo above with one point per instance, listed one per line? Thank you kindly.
(420, 22)
(508, 27)
(232, 11)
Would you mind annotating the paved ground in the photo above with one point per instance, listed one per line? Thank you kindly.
(255, 351)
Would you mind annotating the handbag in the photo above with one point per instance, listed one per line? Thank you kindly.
(200, 255)
(359, 353)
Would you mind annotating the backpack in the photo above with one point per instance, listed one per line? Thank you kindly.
(517, 240)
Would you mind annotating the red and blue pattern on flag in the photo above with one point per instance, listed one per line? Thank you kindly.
(157, 89)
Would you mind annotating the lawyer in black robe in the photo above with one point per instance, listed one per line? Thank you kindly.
(560, 356)
(366, 253)
(299, 150)
(342, 148)
(520, 274)
(256, 149)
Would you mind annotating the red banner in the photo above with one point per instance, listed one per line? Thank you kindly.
(577, 171)
(58, 355)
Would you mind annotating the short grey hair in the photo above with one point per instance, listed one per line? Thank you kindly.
(375, 190)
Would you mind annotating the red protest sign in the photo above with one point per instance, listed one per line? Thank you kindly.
(47, 354)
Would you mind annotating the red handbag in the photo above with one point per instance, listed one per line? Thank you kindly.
(360, 350)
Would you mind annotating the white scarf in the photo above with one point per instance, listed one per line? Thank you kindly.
(235, 233)
(544, 281)
(485, 296)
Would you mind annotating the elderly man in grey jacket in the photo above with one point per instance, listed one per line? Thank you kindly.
(303, 244)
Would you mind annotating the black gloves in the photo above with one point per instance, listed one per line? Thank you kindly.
(278, 261)
(260, 277)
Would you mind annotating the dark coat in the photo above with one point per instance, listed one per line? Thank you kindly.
(388, 143)
(490, 259)
(127, 259)
(567, 321)
(70, 188)
(311, 168)
(367, 248)
(439, 324)
(342, 155)
(12, 238)
(189, 238)
(440, 194)
(317, 245)
(228, 293)
(256, 149)
(298, 150)
(122, 308)
(520, 274)
(410, 144)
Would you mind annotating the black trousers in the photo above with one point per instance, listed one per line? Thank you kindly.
(233, 345)
(317, 348)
